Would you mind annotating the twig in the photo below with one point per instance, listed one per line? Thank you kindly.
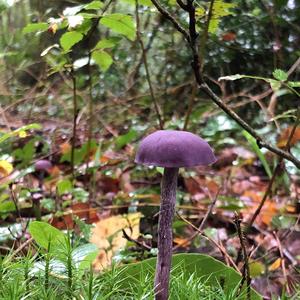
(138, 243)
(200, 228)
(282, 262)
(277, 169)
(205, 34)
(167, 15)
(144, 56)
(221, 248)
(191, 38)
(246, 270)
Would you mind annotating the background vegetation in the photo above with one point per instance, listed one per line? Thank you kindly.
(81, 82)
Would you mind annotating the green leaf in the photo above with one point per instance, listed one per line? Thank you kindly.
(64, 186)
(210, 270)
(141, 2)
(34, 27)
(294, 84)
(280, 75)
(43, 233)
(102, 59)
(69, 39)
(18, 131)
(107, 43)
(84, 255)
(261, 156)
(125, 139)
(119, 23)
(94, 5)
(6, 207)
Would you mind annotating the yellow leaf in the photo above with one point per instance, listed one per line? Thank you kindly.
(5, 168)
(22, 134)
(275, 265)
(108, 236)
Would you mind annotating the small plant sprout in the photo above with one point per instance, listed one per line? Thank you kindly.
(171, 150)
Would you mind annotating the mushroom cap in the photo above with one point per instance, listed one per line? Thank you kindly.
(43, 165)
(174, 149)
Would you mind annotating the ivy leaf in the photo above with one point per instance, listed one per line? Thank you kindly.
(33, 27)
(102, 59)
(280, 75)
(120, 23)
(69, 39)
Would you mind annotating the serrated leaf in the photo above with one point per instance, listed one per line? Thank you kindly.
(280, 75)
(119, 23)
(34, 27)
(102, 59)
(69, 39)
(94, 5)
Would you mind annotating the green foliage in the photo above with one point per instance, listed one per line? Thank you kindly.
(258, 152)
(219, 9)
(210, 271)
(34, 27)
(45, 234)
(102, 59)
(120, 23)
(69, 39)
(64, 186)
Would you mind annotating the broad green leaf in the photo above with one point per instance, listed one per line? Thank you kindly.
(94, 5)
(261, 156)
(202, 266)
(64, 186)
(122, 24)
(107, 43)
(123, 140)
(7, 206)
(34, 27)
(43, 233)
(102, 59)
(280, 75)
(69, 39)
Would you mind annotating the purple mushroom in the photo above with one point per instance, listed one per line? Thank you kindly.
(171, 150)
(42, 168)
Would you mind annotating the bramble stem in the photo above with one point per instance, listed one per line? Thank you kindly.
(165, 234)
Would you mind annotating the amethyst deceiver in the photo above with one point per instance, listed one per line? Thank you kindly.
(170, 149)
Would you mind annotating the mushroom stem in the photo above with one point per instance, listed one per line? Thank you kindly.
(165, 234)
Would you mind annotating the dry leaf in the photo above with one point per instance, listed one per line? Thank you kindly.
(275, 265)
(108, 236)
